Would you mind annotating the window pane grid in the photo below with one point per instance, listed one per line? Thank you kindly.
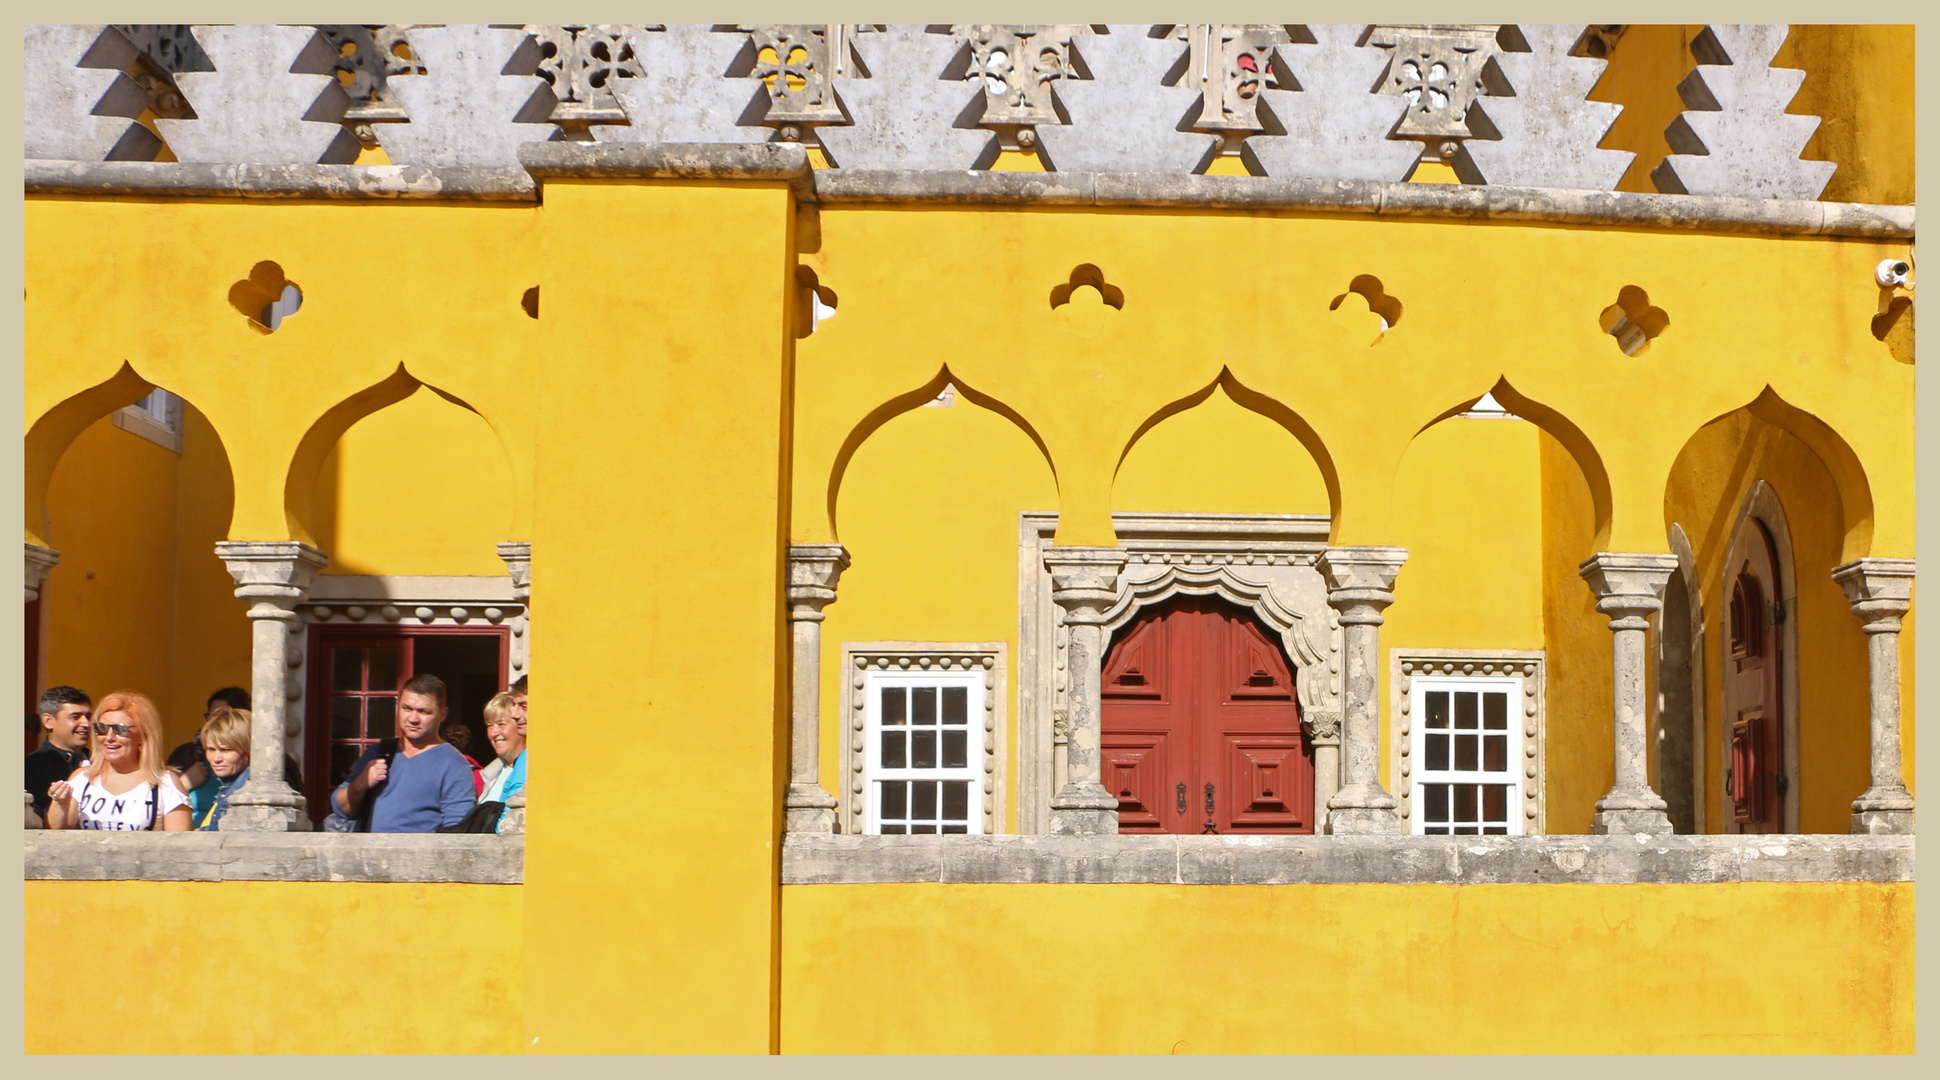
(1466, 756)
(922, 755)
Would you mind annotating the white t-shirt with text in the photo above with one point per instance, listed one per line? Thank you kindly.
(131, 811)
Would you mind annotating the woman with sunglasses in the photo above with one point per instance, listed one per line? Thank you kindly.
(122, 788)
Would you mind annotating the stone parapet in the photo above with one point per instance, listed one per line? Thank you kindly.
(71, 855)
(1326, 860)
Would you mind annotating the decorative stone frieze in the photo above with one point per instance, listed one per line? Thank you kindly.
(1083, 586)
(40, 562)
(1125, 118)
(1735, 137)
(1549, 128)
(813, 572)
(479, 98)
(80, 105)
(686, 95)
(1015, 66)
(1360, 584)
(273, 575)
(273, 98)
(1630, 589)
(367, 58)
(1229, 65)
(1336, 124)
(1880, 592)
(582, 64)
(1439, 70)
(904, 114)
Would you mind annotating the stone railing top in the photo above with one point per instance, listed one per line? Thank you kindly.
(1320, 860)
(829, 187)
(261, 856)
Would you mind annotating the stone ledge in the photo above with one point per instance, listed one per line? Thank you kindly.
(1289, 860)
(175, 179)
(253, 856)
(834, 187)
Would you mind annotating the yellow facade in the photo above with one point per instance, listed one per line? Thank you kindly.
(664, 429)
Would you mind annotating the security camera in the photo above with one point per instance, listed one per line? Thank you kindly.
(1891, 273)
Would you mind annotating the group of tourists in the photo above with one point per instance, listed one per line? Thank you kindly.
(101, 767)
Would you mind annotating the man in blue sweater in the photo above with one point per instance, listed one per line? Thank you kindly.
(425, 784)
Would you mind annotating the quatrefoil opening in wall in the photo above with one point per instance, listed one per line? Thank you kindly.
(816, 304)
(1632, 321)
(266, 297)
(1372, 304)
(1086, 300)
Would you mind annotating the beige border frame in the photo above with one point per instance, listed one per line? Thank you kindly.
(992, 656)
(1528, 664)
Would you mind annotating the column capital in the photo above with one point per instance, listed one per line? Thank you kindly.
(1629, 586)
(273, 575)
(1360, 581)
(1084, 581)
(1879, 590)
(40, 562)
(813, 572)
(517, 556)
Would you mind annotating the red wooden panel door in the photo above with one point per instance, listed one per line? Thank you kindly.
(1755, 780)
(1200, 725)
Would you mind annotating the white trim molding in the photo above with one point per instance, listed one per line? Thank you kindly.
(1261, 562)
(1527, 666)
(948, 658)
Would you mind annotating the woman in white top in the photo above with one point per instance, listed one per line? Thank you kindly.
(122, 787)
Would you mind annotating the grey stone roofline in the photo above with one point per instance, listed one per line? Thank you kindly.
(785, 162)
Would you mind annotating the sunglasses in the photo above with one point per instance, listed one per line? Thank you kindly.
(120, 731)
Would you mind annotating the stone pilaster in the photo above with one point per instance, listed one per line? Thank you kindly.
(1360, 585)
(813, 570)
(1630, 589)
(1083, 584)
(1880, 591)
(40, 562)
(274, 576)
(512, 823)
(518, 563)
(1323, 733)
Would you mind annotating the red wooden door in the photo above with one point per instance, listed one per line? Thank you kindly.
(1201, 730)
(1755, 780)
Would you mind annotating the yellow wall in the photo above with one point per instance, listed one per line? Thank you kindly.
(1320, 969)
(1218, 457)
(419, 487)
(1579, 753)
(274, 968)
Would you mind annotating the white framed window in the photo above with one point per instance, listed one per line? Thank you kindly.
(157, 418)
(925, 735)
(922, 769)
(1468, 738)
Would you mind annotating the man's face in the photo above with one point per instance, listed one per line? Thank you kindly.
(518, 711)
(418, 717)
(68, 729)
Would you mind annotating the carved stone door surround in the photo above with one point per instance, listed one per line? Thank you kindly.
(1262, 562)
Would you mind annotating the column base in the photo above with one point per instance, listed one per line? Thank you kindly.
(1883, 812)
(1364, 821)
(263, 810)
(1084, 811)
(809, 819)
(1630, 822)
(512, 822)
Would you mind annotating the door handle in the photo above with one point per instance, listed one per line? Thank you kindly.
(1182, 796)
(1210, 828)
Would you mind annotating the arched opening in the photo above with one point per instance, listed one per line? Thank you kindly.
(1201, 724)
(1226, 449)
(135, 499)
(1747, 490)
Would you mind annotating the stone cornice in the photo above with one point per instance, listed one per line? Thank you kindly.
(836, 187)
(1401, 860)
(274, 856)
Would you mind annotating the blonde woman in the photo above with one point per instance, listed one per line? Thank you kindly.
(122, 788)
(225, 743)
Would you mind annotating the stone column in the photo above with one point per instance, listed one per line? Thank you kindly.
(513, 821)
(1083, 584)
(518, 563)
(274, 576)
(1360, 584)
(1880, 591)
(40, 562)
(813, 570)
(1630, 589)
(1323, 731)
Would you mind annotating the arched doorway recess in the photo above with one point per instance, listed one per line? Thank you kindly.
(1758, 768)
(1201, 726)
